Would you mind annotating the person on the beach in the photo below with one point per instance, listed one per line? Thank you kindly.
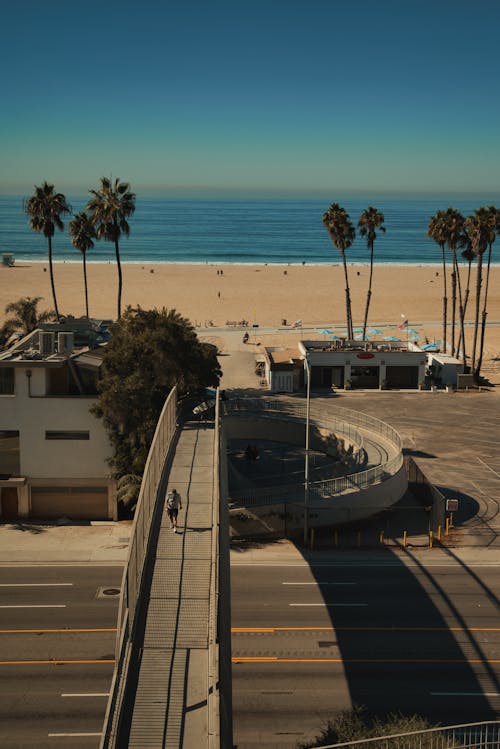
(174, 504)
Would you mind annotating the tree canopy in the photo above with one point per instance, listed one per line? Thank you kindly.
(150, 351)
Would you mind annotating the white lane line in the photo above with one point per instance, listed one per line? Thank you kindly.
(85, 694)
(319, 583)
(465, 694)
(71, 735)
(36, 606)
(328, 605)
(33, 585)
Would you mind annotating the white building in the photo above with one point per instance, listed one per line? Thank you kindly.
(53, 452)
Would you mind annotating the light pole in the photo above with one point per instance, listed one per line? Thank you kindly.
(306, 465)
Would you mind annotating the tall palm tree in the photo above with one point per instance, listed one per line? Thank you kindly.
(436, 230)
(493, 231)
(26, 316)
(468, 256)
(370, 220)
(110, 207)
(455, 231)
(82, 233)
(480, 227)
(342, 233)
(44, 209)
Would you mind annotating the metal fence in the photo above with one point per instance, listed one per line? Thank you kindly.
(134, 566)
(341, 420)
(484, 735)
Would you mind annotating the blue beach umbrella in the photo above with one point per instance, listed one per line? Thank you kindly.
(430, 347)
(391, 338)
(375, 331)
(414, 338)
(411, 331)
(335, 338)
(358, 330)
(361, 338)
(325, 331)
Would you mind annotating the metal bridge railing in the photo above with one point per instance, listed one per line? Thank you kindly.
(484, 735)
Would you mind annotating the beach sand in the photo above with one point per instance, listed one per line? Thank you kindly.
(262, 295)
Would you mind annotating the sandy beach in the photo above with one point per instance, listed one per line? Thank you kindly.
(263, 295)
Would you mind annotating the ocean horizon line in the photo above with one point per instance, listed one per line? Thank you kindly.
(215, 263)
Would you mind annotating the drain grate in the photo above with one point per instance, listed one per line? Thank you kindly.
(105, 591)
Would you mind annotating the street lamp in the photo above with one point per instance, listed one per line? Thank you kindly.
(306, 465)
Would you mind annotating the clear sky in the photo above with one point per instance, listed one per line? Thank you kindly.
(304, 95)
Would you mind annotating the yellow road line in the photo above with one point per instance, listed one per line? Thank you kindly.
(272, 659)
(43, 631)
(272, 630)
(56, 662)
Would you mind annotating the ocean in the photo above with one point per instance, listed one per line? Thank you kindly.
(239, 231)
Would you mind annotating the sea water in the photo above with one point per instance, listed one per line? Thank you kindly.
(239, 231)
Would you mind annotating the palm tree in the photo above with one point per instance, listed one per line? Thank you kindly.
(494, 229)
(26, 317)
(480, 228)
(110, 207)
(455, 231)
(44, 209)
(82, 232)
(468, 256)
(342, 233)
(370, 220)
(436, 230)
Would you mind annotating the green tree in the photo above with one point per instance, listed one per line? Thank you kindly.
(493, 231)
(370, 220)
(110, 207)
(355, 725)
(455, 231)
(436, 231)
(481, 230)
(25, 316)
(45, 209)
(150, 351)
(342, 233)
(82, 233)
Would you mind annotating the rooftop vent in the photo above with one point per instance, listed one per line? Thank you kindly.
(46, 340)
(65, 343)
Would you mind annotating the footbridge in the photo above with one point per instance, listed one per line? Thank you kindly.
(172, 681)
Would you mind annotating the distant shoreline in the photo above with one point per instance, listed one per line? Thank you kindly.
(215, 264)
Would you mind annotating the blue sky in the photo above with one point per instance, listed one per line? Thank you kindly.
(326, 96)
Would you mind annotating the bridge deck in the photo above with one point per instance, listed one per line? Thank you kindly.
(170, 708)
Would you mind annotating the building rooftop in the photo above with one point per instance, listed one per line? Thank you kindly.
(343, 345)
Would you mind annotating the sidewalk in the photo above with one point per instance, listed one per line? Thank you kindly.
(31, 542)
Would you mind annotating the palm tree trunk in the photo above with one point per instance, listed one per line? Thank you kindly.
(479, 280)
(453, 308)
(85, 284)
(51, 269)
(461, 310)
(445, 299)
(484, 314)
(347, 299)
(369, 292)
(119, 267)
(466, 301)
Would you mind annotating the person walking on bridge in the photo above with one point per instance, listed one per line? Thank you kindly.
(174, 504)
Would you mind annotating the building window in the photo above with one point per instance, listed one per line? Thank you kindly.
(67, 435)
(9, 453)
(7, 381)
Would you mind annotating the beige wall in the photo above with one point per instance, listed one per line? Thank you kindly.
(41, 458)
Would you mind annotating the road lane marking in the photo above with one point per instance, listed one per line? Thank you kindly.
(85, 694)
(399, 661)
(328, 605)
(33, 585)
(66, 630)
(465, 694)
(240, 630)
(35, 606)
(71, 735)
(319, 583)
(56, 662)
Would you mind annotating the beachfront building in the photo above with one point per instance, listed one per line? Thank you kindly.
(53, 452)
(344, 364)
(443, 369)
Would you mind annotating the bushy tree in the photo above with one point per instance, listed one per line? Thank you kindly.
(150, 351)
(24, 317)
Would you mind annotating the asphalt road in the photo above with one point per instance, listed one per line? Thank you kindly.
(310, 641)
(57, 641)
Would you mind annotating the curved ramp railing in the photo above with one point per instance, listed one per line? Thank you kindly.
(342, 420)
